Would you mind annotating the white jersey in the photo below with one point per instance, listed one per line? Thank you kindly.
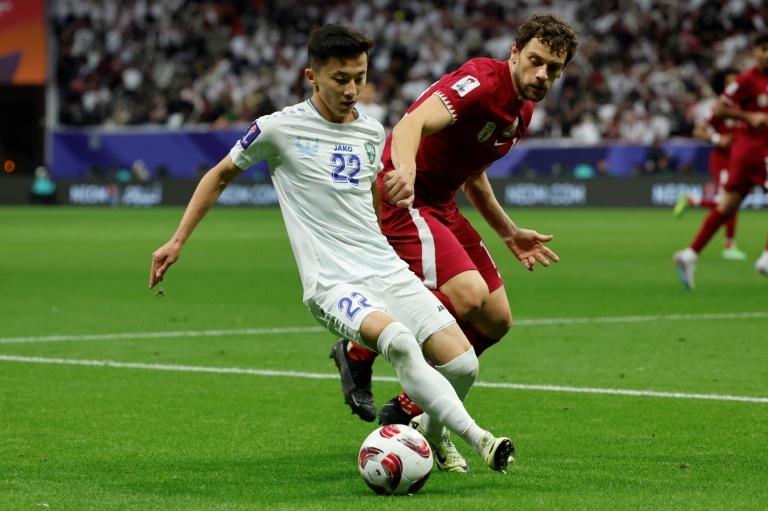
(323, 173)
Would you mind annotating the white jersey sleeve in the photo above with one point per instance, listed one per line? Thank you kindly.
(261, 141)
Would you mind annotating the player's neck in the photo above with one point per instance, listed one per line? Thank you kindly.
(326, 113)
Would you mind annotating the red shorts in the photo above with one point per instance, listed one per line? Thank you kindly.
(438, 244)
(718, 168)
(748, 167)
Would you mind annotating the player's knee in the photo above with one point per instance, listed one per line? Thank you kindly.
(470, 300)
(501, 325)
(397, 343)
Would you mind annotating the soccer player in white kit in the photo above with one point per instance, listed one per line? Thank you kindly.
(324, 157)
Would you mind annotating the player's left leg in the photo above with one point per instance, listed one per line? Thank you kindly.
(685, 260)
(454, 359)
(356, 376)
(730, 250)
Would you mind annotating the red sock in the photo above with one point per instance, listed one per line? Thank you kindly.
(479, 341)
(708, 203)
(730, 231)
(708, 229)
(361, 354)
(409, 406)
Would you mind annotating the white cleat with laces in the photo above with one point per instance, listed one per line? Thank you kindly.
(685, 261)
(447, 457)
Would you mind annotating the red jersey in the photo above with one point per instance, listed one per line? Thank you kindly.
(749, 91)
(488, 120)
(721, 126)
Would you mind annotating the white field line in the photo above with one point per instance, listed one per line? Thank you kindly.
(312, 329)
(334, 376)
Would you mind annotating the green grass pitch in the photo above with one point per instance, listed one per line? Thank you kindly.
(221, 396)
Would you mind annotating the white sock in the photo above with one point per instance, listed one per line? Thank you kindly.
(690, 253)
(429, 389)
(462, 373)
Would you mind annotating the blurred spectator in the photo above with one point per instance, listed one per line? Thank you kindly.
(640, 70)
(139, 171)
(657, 161)
(162, 173)
(369, 105)
(587, 131)
(43, 189)
(602, 169)
(583, 171)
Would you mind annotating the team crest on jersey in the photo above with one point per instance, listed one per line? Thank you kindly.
(250, 135)
(466, 85)
(308, 146)
(370, 150)
(511, 128)
(762, 100)
(486, 132)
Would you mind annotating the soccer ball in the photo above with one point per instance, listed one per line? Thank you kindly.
(395, 460)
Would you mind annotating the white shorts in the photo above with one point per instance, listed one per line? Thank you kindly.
(341, 308)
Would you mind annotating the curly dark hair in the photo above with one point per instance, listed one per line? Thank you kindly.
(338, 41)
(552, 31)
(717, 82)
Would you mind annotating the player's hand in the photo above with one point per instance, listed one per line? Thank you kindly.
(399, 187)
(527, 245)
(162, 259)
(758, 119)
(725, 141)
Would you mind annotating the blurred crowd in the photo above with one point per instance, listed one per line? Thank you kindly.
(642, 68)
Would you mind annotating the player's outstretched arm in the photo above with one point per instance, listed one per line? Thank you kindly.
(526, 244)
(429, 117)
(754, 119)
(206, 194)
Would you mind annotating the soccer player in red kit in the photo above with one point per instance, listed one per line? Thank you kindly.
(746, 99)
(457, 128)
(718, 131)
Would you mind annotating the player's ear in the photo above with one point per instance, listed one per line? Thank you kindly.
(513, 53)
(311, 77)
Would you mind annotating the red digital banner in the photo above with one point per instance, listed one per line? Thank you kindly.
(23, 56)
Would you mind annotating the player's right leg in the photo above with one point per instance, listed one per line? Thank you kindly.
(366, 321)
(433, 392)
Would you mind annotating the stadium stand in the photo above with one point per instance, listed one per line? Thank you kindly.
(641, 70)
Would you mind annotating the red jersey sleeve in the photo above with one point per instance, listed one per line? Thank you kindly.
(466, 90)
(738, 92)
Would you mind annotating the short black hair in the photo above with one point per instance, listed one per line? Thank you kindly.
(760, 38)
(717, 82)
(553, 32)
(338, 41)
